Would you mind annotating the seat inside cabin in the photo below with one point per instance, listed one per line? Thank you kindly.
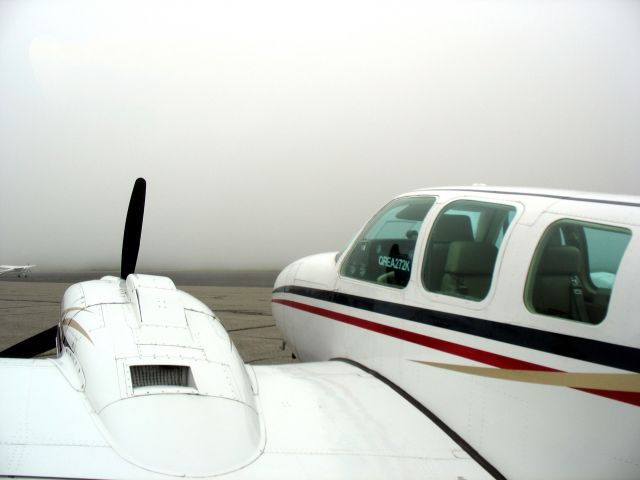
(450, 228)
(555, 290)
(469, 269)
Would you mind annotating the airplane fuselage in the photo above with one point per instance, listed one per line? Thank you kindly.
(528, 351)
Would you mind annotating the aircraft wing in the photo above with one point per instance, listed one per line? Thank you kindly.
(15, 269)
(5, 269)
(318, 420)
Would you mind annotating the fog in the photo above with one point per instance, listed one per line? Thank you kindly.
(272, 130)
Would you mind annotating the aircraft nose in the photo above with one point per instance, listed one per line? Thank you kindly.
(287, 276)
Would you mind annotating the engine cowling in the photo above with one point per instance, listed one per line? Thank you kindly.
(161, 374)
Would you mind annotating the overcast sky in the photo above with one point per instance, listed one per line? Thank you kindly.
(268, 130)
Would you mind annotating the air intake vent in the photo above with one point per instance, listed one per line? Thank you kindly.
(159, 375)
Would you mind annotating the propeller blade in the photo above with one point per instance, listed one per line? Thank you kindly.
(133, 229)
(32, 346)
(46, 340)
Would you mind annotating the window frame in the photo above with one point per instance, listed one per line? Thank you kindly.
(344, 255)
(589, 285)
(439, 296)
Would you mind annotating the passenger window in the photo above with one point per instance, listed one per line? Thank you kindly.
(384, 252)
(463, 247)
(574, 270)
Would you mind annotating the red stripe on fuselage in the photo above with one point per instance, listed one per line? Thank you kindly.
(482, 356)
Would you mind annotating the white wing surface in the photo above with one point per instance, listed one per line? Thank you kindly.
(317, 420)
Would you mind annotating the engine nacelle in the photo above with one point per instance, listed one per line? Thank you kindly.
(154, 364)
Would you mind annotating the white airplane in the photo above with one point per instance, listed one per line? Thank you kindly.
(20, 270)
(509, 314)
(474, 333)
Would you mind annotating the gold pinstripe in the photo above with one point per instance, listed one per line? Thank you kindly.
(71, 323)
(622, 382)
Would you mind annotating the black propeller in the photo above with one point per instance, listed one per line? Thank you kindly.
(46, 340)
(133, 229)
(32, 346)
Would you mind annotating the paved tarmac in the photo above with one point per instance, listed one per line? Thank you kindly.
(28, 306)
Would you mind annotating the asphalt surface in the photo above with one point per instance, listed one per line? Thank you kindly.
(28, 306)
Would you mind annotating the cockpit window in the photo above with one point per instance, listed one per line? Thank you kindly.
(574, 270)
(383, 254)
(463, 247)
